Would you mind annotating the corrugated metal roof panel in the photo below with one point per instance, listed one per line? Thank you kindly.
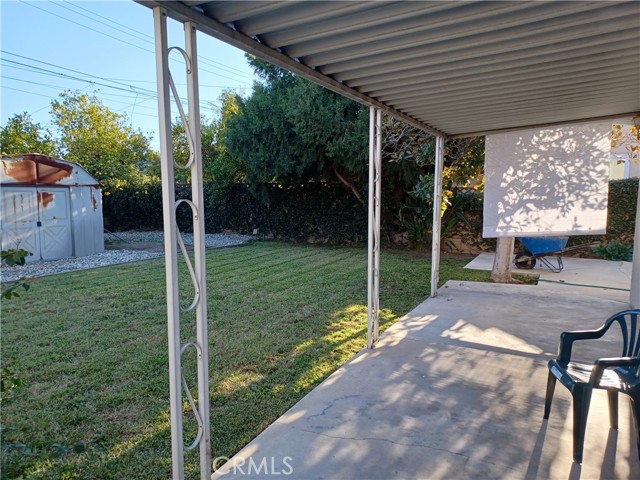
(549, 71)
(476, 28)
(453, 67)
(360, 27)
(39, 170)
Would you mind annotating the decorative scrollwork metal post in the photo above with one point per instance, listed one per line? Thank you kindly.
(375, 198)
(173, 239)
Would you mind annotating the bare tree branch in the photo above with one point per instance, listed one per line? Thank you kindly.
(349, 184)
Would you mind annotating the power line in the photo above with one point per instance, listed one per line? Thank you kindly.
(224, 68)
(136, 35)
(77, 6)
(131, 94)
(150, 37)
(241, 87)
(116, 80)
(84, 26)
(47, 106)
(145, 98)
(61, 87)
(52, 98)
(31, 93)
(42, 71)
(22, 80)
(64, 75)
(68, 69)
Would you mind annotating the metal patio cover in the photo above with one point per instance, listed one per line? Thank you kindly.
(452, 68)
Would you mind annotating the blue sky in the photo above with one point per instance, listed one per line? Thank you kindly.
(106, 47)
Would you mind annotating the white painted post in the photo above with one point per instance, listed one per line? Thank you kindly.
(501, 272)
(437, 215)
(373, 273)
(370, 229)
(635, 267)
(377, 213)
(170, 251)
(197, 195)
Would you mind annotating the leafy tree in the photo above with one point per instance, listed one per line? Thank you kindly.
(220, 166)
(227, 169)
(464, 162)
(22, 135)
(627, 138)
(292, 131)
(407, 146)
(410, 152)
(101, 141)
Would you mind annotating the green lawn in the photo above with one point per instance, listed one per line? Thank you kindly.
(91, 348)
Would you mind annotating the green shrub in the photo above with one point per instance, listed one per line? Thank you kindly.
(11, 257)
(614, 251)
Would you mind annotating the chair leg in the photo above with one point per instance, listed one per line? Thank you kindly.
(613, 408)
(551, 386)
(581, 402)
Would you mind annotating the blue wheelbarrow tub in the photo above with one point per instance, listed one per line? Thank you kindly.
(541, 245)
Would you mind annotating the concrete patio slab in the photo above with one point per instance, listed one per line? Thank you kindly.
(602, 276)
(454, 390)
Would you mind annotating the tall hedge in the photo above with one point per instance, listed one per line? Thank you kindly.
(316, 212)
(623, 201)
(322, 213)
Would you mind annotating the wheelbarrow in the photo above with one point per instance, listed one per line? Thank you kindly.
(538, 248)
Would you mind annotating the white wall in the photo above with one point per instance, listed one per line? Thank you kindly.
(542, 182)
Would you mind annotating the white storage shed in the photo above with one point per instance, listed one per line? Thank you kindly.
(50, 207)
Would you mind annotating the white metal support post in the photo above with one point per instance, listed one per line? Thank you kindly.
(197, 195)
(171, 257)
(635, 266)
(173, 239)
(375, 202)
(437, 215)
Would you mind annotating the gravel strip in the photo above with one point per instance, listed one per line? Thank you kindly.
(212, 240)
(63, 265)
(115, 256)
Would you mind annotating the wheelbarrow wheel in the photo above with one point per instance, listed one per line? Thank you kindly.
(524, 261)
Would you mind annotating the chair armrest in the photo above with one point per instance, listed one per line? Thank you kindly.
(567, 339)
(601, 364)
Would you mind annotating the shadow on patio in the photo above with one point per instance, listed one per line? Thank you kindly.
(453, 390)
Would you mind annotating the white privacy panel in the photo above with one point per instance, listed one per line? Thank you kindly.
(552, 181)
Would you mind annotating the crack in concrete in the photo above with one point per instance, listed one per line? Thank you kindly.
(394, 442)
(326, 409)
(409, 444)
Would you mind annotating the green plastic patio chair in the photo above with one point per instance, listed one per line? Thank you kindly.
(613, 374)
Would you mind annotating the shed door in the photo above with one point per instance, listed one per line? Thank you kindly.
(20, 220)
(55, 219)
